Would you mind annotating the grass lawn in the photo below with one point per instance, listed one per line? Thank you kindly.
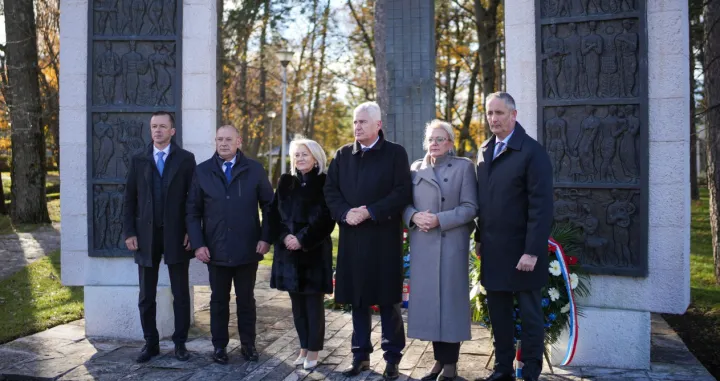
(33, 299)
(53, 196)
(699, 327)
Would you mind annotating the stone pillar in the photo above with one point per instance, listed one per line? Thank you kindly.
(107, 96)
(408, 102)
(621, 72)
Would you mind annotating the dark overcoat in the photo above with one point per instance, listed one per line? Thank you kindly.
(369, 263)
(138, 205)
(299, 209)
(515, 200)
(224, 216)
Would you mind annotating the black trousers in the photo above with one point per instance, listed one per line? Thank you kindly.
(180, 287)
(393, 333)
(309, 317)
(221, 280)
(446, 353)
(500, 306)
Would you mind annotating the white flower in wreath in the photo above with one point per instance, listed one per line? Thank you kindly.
(573, 281)
(554, 294)
(565, 309)
(555, 268)
(477, 289)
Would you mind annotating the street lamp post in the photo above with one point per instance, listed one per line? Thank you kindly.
(271, 115)
(284, 56)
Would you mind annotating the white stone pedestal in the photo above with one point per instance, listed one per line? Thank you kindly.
(111, 284)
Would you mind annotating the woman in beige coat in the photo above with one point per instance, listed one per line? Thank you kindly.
(440, 221)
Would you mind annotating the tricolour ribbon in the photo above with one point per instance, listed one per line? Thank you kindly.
(572, 341)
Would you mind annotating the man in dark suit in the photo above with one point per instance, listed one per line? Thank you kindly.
(155, 196)
(515, 199)
(225, 232)
(367, 188)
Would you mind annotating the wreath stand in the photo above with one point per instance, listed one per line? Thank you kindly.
(547, 359)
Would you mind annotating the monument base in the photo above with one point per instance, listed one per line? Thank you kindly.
(112, 311)
(609, 338)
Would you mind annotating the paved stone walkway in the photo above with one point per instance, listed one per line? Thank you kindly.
(18, 250)
(64, 353)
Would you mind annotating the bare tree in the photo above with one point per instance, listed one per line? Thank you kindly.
(28, 143)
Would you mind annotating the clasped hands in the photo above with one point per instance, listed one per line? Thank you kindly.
(425, 221)
(356, 216)
(291, 242)
(203, 253)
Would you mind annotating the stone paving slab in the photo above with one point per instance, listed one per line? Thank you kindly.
(64, 353)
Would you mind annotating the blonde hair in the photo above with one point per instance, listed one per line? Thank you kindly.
(315, 150)
(437, 123)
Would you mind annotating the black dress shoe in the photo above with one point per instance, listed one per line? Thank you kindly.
(432, 376)
(391, 371)
(147, 352)
(356, 368)
(220, 356)
(498, 376)
(249, 353)
(530, 378)
(443, 377)
(181, 353)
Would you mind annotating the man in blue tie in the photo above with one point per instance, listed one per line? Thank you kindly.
(155, 196)
(515, 215)
(226, 233)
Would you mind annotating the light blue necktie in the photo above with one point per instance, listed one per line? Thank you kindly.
(228, 171)
(160, 162)
(499, 149)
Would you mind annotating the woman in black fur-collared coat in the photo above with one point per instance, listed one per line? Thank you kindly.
(302, 262)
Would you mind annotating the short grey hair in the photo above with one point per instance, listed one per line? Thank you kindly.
(229, 127)
(507, 98)
(315, 150)
(372, 109)
(437, 123)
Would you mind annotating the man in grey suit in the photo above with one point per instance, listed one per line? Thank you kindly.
(515, 200)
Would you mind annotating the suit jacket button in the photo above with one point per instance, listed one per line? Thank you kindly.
(450, 165)
(227, 197)
(229, 229)
(443, 199)
(445, 180)
(389, 218)
(442, 235)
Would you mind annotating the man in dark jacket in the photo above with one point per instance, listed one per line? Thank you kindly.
(367, 188)
(225, 232)
(515, 199)
(155, 195)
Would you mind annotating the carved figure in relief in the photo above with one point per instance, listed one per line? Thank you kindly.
(619, 212)
(573, 61)
(106, 149)
(611, 130)
(107, 67)
(161, 80)
(626, 45)
(627, 5)
(106, 12)
(566, 6)
(138, 12)
(101, 201)
(126, 15)
(585, 144)
(114, 236)
(594, 244)
(131, 139)
(554, 52)
(132, 67)
(628, 145)
(564, 210)
(168, 17)
(585, 4)
(556, 140)
(592, 48)
(154, 14)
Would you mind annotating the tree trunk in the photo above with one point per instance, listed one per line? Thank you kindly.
(694, 191)
(257, 143)
(712, 98)
(243, 93)
(3, 210)
(486, 24)
(381, 74)
(28, 143)
(220, 57)
(319, 82)
(467, 119)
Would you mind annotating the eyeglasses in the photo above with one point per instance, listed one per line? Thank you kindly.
(438, 140)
